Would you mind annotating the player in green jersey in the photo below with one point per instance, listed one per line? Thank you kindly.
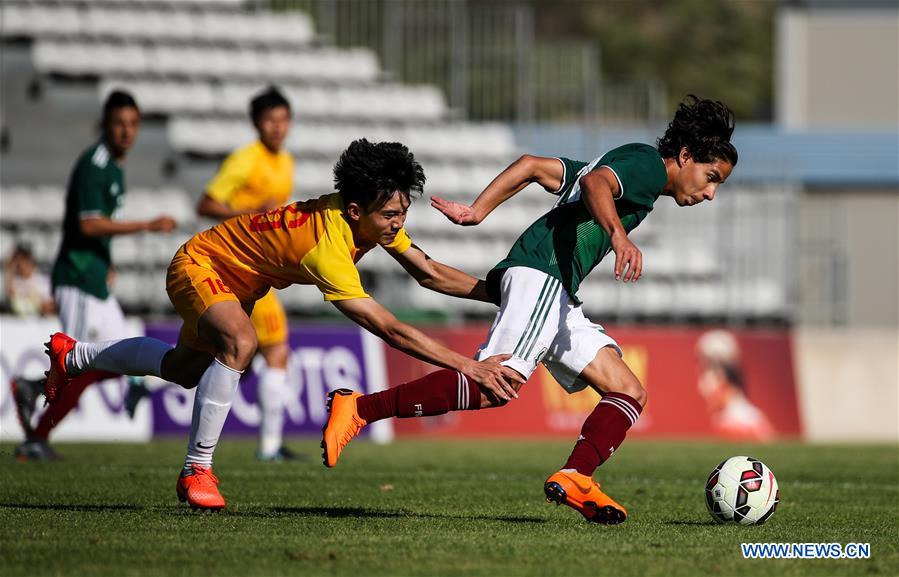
(87, 309)
(540, 318)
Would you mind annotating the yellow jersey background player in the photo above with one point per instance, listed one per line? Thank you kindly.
(217, 276)
(257, 178)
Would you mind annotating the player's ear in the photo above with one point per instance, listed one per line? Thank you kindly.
(354, 211)
(683, 156)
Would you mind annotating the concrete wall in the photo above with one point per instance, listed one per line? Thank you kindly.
(848, 382)
(848, 271)
(838, 67)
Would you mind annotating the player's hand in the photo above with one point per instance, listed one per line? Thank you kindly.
(496, 378)
(162, 224)
(628, 258)
(457, 212)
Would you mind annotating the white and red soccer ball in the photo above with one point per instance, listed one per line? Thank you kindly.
(742, 490)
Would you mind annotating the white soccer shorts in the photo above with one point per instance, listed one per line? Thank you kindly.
(538, 322)
(84, 317)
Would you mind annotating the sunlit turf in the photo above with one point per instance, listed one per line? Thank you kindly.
(433, 508)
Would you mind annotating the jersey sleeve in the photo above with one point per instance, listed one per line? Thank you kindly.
(340, 281)
(641, 175)
(570, 170)
(400, 244)
(231, 176)
(89, 183)
(330, 267)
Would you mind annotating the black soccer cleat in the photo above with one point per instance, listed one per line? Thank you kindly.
(25, 392)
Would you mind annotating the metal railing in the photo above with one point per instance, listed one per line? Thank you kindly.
(487, 59)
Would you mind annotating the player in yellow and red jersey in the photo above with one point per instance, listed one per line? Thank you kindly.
(216, 277)
(255, 178)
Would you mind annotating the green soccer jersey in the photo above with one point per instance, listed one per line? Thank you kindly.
(566, 243)
(96, 188)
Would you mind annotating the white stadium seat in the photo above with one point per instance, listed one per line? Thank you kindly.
(80, 57)
(221, 136)
(17, 204)
(160, 22)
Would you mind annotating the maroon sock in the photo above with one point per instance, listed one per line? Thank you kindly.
(433, 394)
(67, 400)
(603, 432)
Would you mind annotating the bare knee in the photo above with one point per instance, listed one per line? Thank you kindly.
(626, 383)
(236, 348)
(608, 373)
(227, 327)
(635, 390)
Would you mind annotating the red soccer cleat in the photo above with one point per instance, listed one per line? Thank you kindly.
(197, 486)
(58, 376)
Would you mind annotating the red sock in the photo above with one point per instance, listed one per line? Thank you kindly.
(68, 400)
(603, 432)
(433, 394)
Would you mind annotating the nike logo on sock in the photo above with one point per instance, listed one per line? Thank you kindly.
(202, 446)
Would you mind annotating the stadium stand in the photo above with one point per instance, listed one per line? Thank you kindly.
(193, 66)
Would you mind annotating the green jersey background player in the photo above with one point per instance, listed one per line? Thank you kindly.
(540, 318)
(82, 269)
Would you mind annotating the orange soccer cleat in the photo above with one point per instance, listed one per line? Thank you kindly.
(58, 376)
(582, 494)
(197, 486)
(344, 423)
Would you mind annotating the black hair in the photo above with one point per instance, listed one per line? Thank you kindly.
(23, 249)
(269, 98)
(704, 128)
(117, 99)
(369, 173)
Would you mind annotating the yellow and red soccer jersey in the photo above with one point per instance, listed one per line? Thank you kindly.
(252, 178)
(306, 242)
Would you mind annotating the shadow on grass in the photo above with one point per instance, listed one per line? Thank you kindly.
(331, 512)
(695, 523)
(71, 507)
(363, 513)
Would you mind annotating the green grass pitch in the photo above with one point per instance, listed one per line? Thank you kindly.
(434, 508)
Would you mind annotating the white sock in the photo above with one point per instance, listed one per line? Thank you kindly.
(137, 356)
(272, 385)
(215, 392)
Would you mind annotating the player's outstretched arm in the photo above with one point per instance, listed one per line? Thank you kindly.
(439, 277)
(102, 226)
(547, 172)
(599, 189)
(490, 374)
(212, 208)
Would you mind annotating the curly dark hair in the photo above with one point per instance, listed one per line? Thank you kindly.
(369, 173)
(704, 128)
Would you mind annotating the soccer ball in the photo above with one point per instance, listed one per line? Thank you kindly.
(742, 490)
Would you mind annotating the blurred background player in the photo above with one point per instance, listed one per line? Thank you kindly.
(257, 178)
(27, 289)
(216, 276)
(28, 294)
(540, 318)
(723, 387)
(82, 270)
